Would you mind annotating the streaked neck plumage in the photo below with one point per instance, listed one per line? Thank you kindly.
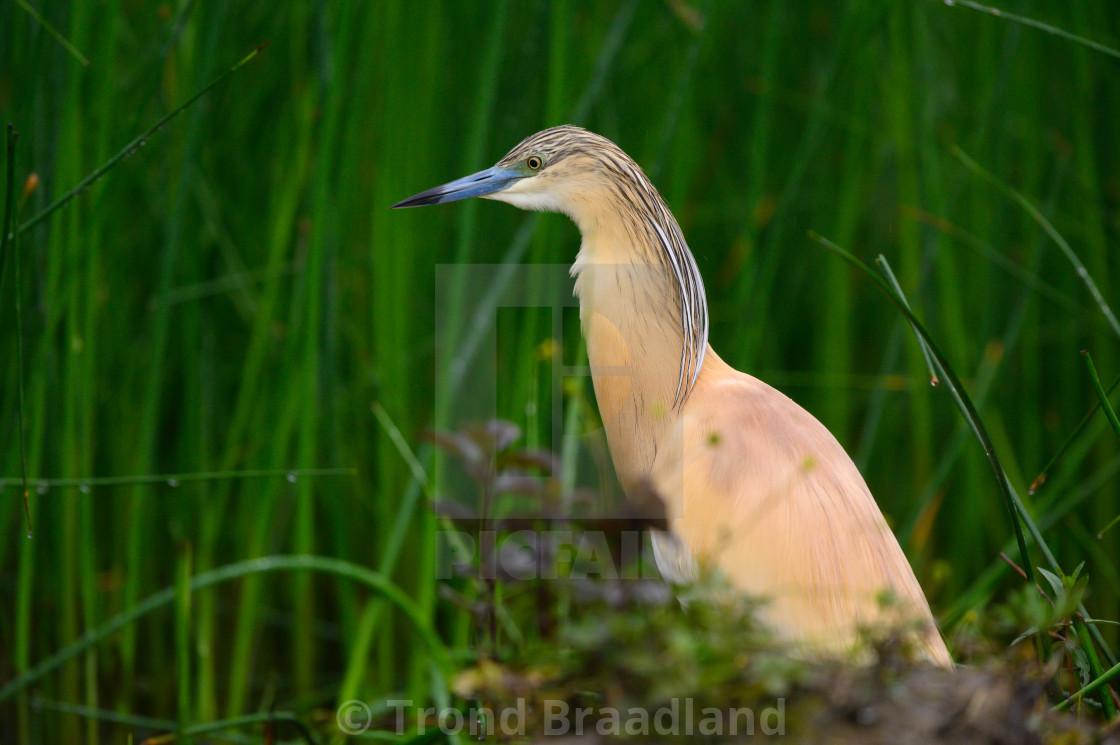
(644, 316)
(642, 302)
(635, 350)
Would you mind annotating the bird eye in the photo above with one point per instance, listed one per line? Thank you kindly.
(534, 162)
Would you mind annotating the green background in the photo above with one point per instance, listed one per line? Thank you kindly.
(236, 295)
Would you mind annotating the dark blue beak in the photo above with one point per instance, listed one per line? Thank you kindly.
(476, 185)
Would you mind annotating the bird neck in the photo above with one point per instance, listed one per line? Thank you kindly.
(643, 359)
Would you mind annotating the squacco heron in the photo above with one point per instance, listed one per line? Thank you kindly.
(755, 486)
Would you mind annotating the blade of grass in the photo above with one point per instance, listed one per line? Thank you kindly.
(1039, 218)
(310, 373)
(1104, 696)
(54, 32)
(904, 125)
(885, 268)
(1106, 575)
(1102, 397)
(28, 578)
(133, 720)
(183, 654)
(9, 193)
(1043, 474)
(998, 13)
(102, 715)
(175, 479)
(410, 92)
(837, 348)
(1104, 679)
(71, 448)
(611, 45)
(955, 387)
(249, 608)
(9, 216)
(416, 468)
(138, 142)
(187, 734)
(1026, 277)
(375, 581)
(473, 153)
(750, 285)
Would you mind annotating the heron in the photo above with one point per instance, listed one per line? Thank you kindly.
(755, 486)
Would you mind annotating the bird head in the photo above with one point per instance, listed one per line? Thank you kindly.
(563, 169)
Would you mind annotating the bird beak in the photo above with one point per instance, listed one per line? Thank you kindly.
(476, 185)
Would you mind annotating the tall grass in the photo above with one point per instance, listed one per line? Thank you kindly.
(235, 296)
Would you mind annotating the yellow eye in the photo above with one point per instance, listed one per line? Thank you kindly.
(534, 162)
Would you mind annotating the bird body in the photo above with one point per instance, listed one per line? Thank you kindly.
(779, 507)
(755, 486)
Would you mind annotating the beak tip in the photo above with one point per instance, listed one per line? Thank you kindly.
(476, 185)
(419, 200)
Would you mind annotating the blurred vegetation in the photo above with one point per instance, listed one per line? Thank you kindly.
(229, 339)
